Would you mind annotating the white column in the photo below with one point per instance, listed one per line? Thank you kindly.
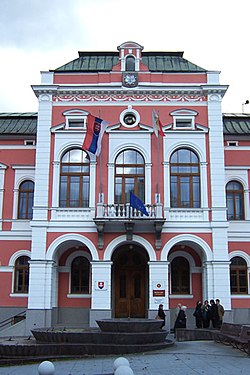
(204, 197)
(42, 158)
(221, 273)
(207, 281)
(148, 186)
(101, 295)
(2, 175)
(111, 179)
(40, 284)
(158, 285)
(92, 184)
(217, 166)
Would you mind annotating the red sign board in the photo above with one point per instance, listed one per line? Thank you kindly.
(159, 293)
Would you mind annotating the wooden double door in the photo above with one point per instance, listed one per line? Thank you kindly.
(130, 278)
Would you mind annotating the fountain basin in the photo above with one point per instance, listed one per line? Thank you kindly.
(132, 325)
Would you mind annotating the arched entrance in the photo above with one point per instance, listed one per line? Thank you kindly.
(130, 281)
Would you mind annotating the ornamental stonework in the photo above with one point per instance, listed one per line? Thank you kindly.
(128, 98)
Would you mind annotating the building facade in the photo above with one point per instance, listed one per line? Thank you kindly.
(73, 247)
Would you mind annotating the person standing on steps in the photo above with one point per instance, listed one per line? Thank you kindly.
(214, 314)
(205, 314)
(221, 312)
(161, 315)
(181, 319)
(198, 314)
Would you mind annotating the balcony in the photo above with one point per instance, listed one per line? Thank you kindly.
(120, 217)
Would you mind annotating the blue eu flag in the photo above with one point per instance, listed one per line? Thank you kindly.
(136, 203)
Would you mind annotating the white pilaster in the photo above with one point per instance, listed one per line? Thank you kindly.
(222, 283)
(101, 297)
(2, 175)
(217, 166)
(40, 284)
(158, 282)
(42, 157)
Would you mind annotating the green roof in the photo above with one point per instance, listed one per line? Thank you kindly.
(26, 123)
(18, 123)
(105, 61)
(236, 123)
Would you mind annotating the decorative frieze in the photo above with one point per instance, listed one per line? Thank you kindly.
(128, 98)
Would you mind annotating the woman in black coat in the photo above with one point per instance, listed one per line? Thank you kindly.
(161, 315)
(198, 314)
(181, 319)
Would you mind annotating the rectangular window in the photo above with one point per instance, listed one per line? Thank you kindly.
(183, 122)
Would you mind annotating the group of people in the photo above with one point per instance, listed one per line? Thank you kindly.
(208, 312)
(181, 318)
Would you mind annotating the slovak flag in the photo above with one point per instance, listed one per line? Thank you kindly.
(93, 138)
(157, 125)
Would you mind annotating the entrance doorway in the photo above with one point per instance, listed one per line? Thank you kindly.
(130, 280)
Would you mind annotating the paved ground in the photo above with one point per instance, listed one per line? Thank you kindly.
(184, 358)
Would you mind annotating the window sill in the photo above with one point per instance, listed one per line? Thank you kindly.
(78, 295)
(15, 295)
(182, 296)
(240, 296)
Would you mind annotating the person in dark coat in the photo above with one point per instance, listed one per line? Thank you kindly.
(198, 314)
(205, 314)
(214, 314)
(161, 315)
(181, 319)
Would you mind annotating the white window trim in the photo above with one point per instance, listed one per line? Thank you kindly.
(68, 264)
(76, 115)
(232, 143)
(11, 264)
(185, 118)
(22, 173)
(76, 119)
(127, 112)
(191, 262)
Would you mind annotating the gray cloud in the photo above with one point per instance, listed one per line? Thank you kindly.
(41, 24)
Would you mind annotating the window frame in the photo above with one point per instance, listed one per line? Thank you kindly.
(27, 193)
(238, 269)
(21, 268)
(181, 118)
(69, 181)
(180, 272)
(123, 176)
(79, 293)
(180, 176)
(235, 193)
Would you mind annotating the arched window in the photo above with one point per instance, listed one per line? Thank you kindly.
(180, 276)
(185, 179)
(129, 176)
(80, 269)
(74, 179)
(235, 201)
(25, 200)
(130, 64)
(238, 276)
(21, 276)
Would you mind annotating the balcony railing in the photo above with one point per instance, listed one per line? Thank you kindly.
(125, 211)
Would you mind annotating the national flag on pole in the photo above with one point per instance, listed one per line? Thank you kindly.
(136, 203)
(93, 138)
(157, 125)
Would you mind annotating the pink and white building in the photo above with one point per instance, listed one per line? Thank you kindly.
(72, 248)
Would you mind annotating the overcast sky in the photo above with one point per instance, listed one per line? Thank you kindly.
(38, 35)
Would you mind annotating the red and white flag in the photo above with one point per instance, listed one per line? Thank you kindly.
(157, 125)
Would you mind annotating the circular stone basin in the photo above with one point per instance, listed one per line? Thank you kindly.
(129, 325)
